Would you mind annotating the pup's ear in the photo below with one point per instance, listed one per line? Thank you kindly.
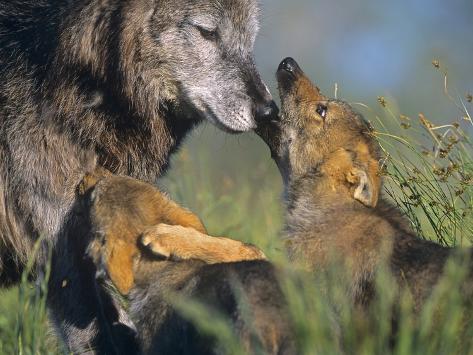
(367, 183)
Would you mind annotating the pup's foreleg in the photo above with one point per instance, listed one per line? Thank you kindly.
(182, 243)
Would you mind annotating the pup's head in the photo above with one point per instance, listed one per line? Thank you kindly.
(199, 55)
(320, 136)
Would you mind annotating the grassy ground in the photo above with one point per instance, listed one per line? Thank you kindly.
(233, 185)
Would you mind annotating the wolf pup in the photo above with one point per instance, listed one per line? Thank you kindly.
(329, 161)
(126, 213)
(115, 84)
(150, 263)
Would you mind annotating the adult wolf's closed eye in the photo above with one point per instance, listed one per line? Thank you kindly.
(216, 75)
(210, 35)
(123, 82)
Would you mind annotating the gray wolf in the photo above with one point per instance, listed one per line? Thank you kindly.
(329, 161)
(112, 84)
(153, 251)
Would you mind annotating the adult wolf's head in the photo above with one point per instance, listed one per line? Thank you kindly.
(198, 55)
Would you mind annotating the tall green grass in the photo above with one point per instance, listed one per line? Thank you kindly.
(429, 166)
(24, 327)
(234, 186)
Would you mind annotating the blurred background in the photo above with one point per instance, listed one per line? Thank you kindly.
(369, 48)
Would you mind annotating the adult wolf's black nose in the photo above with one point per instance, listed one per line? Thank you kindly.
(267, 111)
(290, 65)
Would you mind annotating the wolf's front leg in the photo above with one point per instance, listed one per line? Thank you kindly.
(177, 242)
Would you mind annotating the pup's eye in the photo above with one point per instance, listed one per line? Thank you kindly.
(322, 110)
(209, 35)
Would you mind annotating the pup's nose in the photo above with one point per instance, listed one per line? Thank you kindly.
(289, 65)
(267, 111)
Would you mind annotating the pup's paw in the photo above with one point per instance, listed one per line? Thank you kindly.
(252, 252)
(163, 240)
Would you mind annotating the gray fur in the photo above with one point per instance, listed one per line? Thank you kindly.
(111, 83)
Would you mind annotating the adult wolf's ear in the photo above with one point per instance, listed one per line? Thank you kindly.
(367, 183)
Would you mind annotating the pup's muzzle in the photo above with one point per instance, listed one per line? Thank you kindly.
(288, 73)
(289, 65)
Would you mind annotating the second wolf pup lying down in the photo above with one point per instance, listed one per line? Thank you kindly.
(129, 246)
(329, 161)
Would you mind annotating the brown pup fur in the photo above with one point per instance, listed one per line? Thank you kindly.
(138, 230)
(126, 213)
(329, 160)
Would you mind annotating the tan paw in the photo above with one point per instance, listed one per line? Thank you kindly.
(159, 239)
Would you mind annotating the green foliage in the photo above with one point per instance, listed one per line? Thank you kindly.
(429, 168)
(23, 322)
